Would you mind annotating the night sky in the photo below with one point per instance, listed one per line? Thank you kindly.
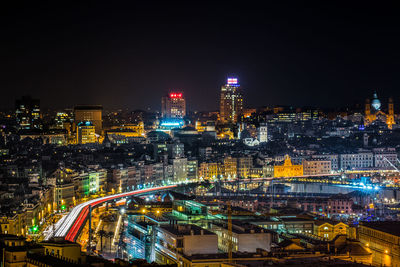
(128, 55)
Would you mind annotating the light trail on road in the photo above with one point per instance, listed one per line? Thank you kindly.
(71, 225)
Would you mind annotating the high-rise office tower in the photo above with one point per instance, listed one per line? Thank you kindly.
(231, 102)
(173, 105)
(92, 114)
(27, 113)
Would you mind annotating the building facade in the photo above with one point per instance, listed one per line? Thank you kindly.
(316, 167)
(173, 105)
(209, 170)
(245, 237)
(180, 172)
(385, 158)
(230, 168)
(373, 112)
(192, 170)
(173, 242)
(94, 114)
(244, 166)
(231, 101)
(383, 240)
(85, 133)
(333, 158)
(356, 161)
(262, 133)
(288, 169)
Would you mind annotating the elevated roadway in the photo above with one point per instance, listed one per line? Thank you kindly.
(70, 226)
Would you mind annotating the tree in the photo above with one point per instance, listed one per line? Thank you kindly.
(102, 234)
(110, 235)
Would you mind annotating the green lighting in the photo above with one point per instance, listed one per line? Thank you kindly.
(34, 229)
(63, 207)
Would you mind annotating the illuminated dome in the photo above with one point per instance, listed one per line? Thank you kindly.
(85, 123)
(376, 104)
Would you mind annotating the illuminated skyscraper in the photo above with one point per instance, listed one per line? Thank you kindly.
(92, 114)
(231, 102)
(173, 106)
(27, 113)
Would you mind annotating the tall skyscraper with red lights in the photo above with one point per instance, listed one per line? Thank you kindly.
(173, 105)
(231, 101)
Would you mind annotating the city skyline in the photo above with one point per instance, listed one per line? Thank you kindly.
(199, 134)
(358, 106)
(283, 54)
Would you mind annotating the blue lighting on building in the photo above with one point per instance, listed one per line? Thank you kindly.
(172, 123)
(232, 81)
(85, 123)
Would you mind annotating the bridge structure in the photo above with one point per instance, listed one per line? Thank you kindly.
(70, 226)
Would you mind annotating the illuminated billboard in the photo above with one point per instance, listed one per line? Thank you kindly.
(175, 95)
(232, 81)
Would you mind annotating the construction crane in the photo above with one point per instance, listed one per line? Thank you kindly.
(229, 231)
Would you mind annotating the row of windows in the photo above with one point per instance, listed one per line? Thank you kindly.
(380, 235)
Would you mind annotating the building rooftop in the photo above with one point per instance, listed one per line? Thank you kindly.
(85, 123)
(49, 260)
(88, 107)
(288, 242)
(11, 237)
(240, 227)
(386, 227)
(323, 221)
(59, 242)
(340, 196)
(294, 219)
(185, 229)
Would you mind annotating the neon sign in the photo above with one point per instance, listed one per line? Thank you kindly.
(232, 80)
(175, 95)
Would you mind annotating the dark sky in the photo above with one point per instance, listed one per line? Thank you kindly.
(128, 55)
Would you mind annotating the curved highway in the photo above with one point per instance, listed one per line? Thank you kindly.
(70, 225)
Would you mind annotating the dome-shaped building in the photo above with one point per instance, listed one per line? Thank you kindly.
(373, 112)
(376, 103)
